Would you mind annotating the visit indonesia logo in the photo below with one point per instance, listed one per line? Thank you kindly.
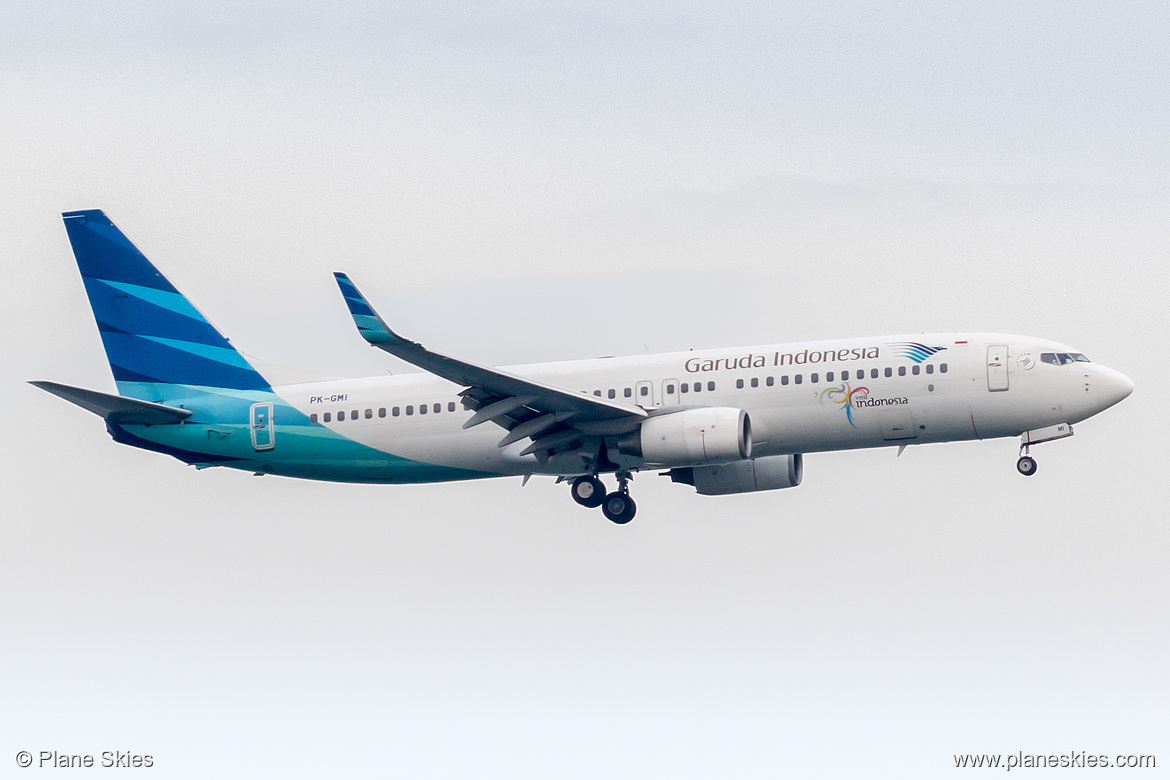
(850, 398)
(844, 396)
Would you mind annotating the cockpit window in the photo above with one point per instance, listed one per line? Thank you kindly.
(1062, 358)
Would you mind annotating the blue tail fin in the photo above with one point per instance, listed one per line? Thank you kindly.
(155, 339)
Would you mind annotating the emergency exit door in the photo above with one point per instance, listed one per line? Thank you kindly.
(261, 425)
(997, 369)
(644, 394)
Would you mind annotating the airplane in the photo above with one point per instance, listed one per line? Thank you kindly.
(722, 421)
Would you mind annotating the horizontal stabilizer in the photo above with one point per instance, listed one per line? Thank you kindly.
(117, 408)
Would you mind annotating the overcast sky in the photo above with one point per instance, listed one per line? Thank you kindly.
(520, 182)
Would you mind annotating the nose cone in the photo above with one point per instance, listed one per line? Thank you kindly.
(1114, 386)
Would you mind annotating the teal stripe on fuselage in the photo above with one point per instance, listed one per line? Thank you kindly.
(219, 434)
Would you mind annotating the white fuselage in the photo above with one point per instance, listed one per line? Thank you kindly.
(801, 397)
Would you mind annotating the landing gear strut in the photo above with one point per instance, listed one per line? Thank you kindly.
(1026, 465)
(618, 507)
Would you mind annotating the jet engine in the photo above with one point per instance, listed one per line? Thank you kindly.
(744, 476)
(692, 437)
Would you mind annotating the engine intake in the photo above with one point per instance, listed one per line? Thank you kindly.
(692, 437)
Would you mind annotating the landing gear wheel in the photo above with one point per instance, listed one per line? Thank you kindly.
(619, 508)
(1026, 465)
(588, 491)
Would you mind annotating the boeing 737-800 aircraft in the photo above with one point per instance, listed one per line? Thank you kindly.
(721, 420)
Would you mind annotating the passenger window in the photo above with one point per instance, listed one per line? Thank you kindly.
(739, 384)
(711, 386)
(437, 408)
(685, 387)
(409, 411)
(627, 393)
(312, 418)
(597, 393)
(341, 416)
(814, 378)
(784, 379)
(942, 368)
(450, 406)
(901, 370)
(889, 371)
(914, 369)
(353, 415)
(873, 373)
(828, 376)
(698, 386)
(755, 381)
(669, 390)
(394, 411)
(1048, 357)
(326, 417)
(422, 408)
(844, 376)
(930, 368)
(612, 393)
(769, 381)
(643, 390)
(799, 378)
(369, 414)
(382, 411)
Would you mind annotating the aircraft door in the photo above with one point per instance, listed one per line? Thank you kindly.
(997, 369)
(260, 423)
(644, 394)
(669, 392)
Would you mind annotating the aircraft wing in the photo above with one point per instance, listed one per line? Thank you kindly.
(555, 418)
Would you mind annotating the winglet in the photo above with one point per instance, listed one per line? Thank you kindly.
(368, 323)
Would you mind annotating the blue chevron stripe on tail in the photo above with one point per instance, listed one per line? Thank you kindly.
(155, 339)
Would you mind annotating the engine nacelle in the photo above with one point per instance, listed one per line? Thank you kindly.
(692, 437)
(746, 476)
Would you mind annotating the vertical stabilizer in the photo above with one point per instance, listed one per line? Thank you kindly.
(155, 339)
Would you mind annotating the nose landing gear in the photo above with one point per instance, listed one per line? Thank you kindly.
(618, 507)
(1026, 465)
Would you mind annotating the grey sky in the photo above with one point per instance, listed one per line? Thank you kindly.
(520, 182)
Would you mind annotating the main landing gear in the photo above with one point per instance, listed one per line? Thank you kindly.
(589, 491)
